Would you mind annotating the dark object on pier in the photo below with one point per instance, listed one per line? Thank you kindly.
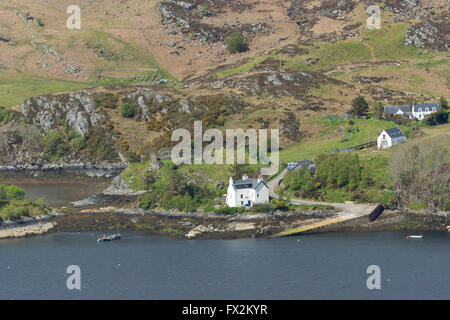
(376, 213)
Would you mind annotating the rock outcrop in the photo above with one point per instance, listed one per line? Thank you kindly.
(78, 110)
(432, 33)
(187, 17)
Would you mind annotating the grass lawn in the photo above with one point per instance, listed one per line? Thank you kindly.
(14, 89)
(383, 45)
(334, 135)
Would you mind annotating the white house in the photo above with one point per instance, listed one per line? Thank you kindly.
(390, 137)
(403, 110)
(420, 111)
(247, 192)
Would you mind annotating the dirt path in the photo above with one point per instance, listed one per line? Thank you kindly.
(372, 53)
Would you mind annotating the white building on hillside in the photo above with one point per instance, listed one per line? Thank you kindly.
(403, 110)
(247, 192)
(390, 137)
(420, 111)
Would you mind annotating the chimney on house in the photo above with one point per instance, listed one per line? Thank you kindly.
(245, 176)
(260, 179)
(231, 181)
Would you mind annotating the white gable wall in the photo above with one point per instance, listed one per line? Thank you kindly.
(385, 141)
(231, 196)
(263, 192)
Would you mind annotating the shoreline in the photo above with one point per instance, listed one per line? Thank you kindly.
(200, 226)
(95, 170)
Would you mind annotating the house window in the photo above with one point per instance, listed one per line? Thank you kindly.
(257, 195)
(242, 196)
(434, 109)
(242, 203)
(420, 110)
(427, 110)
(384, 137)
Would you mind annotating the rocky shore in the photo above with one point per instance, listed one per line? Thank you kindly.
(213, 226)
(28, 226)
(96, 170)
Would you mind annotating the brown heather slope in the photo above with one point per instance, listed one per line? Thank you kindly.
(306, 61)
(129, 38)
(122, 37)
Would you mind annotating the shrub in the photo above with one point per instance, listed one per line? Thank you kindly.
(126, 110)
(229, 210)
(6, 115)
(261, 208)
(108, 101)
(78, 144)
(54, 143)
(147, 202)
(13, 211)
(360, 106)
(15, 193)
(236, 43)
(418, 205)
(73, 134)
(209, 208)
(100, 145)
(436, 118)
(278, 204)
(443, 103)
(41, 202)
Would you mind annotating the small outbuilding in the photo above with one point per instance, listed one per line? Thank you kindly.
(346, 115)
(390, 137)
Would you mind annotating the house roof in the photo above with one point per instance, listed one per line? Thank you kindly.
(423, 106)
(301, 164)
(394, 133)
(247, 183)
(394, 109)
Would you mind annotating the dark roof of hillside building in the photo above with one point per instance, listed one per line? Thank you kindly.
(247, 183)
(394, 109)
(424, 106)
(301, 164)
(394, 133)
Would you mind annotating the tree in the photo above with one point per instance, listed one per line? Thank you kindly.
(443, 103)
(436, 118)
(236, 43)
(422, 172)
(126, 110)
(15, 193)
(54, 143)
(360, 106)
(379, 110)
(238, 170)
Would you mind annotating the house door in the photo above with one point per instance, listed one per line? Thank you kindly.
(249, 203)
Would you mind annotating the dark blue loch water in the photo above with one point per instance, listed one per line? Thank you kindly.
(323, 266)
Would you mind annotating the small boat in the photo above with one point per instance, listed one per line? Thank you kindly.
(110, 237)
(414, 237)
